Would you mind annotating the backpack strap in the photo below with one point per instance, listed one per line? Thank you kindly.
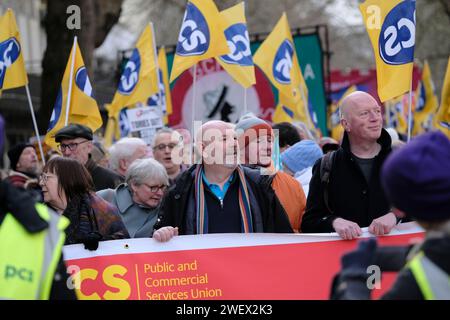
(326, 165)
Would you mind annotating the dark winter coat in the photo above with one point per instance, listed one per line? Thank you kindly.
(178, 205)
(350, 196)
(103, 178)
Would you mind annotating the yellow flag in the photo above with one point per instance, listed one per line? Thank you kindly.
(139, 79)
(426, 102)
(75, 98)
(239, 62)
(12, 67)
(334, 119)
(164, 87)
(201, 36)
(391, 28)
(277, 58)
(283, 112)
(442, 118)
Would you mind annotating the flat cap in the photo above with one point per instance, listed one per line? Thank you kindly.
(72, 131)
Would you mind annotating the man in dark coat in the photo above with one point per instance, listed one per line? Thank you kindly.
(218, 195)
(417, 181)
(355, 196)
(75, 141)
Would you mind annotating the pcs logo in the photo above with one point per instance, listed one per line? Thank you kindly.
(9, 53)
(130, 75)
(82, 81)
(153, 101)
(398, 32)
(124, 123)
(282, 64)
(239, 43)
(56, 111)
(194, 36)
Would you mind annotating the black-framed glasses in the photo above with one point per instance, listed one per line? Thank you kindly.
(72, 146)
(161, 187)
(163, 146)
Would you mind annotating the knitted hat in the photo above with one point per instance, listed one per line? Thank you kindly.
(416, 177)
(15, 152)
(301, 155)
(250, 127)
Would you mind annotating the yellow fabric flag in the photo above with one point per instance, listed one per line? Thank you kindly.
(283, 112)
(391, 29)
(426, 102)
(75, 98)
(139, 79)
(334, 120)
(201, 36)
(164, 87)
(12, 67)
(239, 62)
(442, 118)
(277, 58)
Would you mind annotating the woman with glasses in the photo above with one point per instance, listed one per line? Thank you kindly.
(139, 198)
(67, 187)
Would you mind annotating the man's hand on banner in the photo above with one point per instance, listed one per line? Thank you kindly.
(346, 229)
(165, 234)
(383, 225)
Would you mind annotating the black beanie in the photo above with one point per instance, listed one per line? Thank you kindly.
(15, 152)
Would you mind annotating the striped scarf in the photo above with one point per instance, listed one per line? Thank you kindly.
(202, 210)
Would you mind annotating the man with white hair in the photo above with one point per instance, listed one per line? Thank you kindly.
(218, 195)
(355, 196)
(124, 152)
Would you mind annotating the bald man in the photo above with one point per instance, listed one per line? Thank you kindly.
(218, 195)
(355, 196)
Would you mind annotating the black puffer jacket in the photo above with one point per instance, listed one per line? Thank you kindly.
(350, 196)
(178, 204)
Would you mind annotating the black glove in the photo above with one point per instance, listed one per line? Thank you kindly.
(357, 261)
(91, 240)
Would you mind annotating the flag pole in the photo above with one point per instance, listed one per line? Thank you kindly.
(193, 100)
(157, 68)
(245, 100)
(30, 104)
(409, 111)
(69, 93)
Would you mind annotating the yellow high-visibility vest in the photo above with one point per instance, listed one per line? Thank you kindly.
(28, 261)
(434, 283)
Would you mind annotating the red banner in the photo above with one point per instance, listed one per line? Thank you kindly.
(219, 266)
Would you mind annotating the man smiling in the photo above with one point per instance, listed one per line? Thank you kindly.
(219, 195)
(355, 196)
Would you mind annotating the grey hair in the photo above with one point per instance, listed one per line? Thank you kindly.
(142, 170)
(123, 149)
(165, 130)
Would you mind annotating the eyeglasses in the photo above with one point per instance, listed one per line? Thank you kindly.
(163, 146)
(71, 146)
(162, 187)
(44, 177)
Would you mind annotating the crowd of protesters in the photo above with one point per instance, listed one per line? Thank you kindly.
(225, 181)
